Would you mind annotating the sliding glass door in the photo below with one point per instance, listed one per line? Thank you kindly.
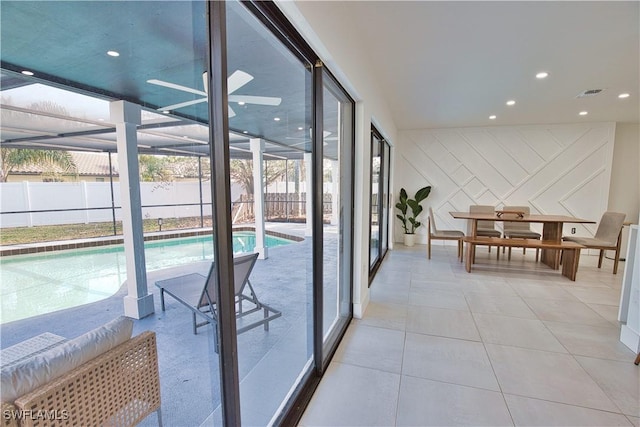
(337, 168)
(292, 112)
(379, 199)
(232, 84)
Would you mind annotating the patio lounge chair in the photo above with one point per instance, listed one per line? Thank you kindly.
(197, 293)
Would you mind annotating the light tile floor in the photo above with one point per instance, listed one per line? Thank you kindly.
(512, 343)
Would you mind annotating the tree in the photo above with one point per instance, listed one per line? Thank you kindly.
(12, 158)
(242, 172)
(154, 169)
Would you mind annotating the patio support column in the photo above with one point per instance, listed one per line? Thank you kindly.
(138, 303)
(308, 189)
(257, 148)
(335, 191)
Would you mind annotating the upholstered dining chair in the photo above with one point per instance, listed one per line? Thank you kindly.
(608, 237)
(518, 229)
(485, 228)
(435, 234)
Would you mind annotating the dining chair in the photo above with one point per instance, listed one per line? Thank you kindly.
(608, 237)
(519, 229)
(485, 228)
(435, 234)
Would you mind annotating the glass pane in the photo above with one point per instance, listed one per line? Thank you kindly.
(270, 175)
(384, 232)
(374, 242)
(337, 207)
(82, 289)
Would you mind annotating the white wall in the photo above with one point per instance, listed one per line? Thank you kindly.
(625, 176)
(333, 37)
(555, 169)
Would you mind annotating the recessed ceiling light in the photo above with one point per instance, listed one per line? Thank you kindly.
(245, 131)
(511, 102)
(542, 75)
(113, 53)
(277, 119)
(583, 113)
(27, 73)
(241, 102)
(165, 112)
(300, 128)
(623, 95)
(492, 117)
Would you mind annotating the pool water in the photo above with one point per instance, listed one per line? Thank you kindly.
(31, 285)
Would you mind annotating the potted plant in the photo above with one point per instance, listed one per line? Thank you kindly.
(409, 220)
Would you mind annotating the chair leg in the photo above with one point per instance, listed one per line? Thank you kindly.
(509, 256)
(600, 258)
(637, 362)
(615, 262)
(460, 250)
(195, 327)
(159, 412)
(428, 248)
(162, 298)
(537, 254)
(524, 251)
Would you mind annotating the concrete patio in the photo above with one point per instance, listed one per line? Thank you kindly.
(269, 361)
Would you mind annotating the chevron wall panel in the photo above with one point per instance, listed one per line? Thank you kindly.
(562, 169)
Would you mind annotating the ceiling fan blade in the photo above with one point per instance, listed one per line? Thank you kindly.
(261, 100)
(182, 104)
(176, 86)
(237, 80)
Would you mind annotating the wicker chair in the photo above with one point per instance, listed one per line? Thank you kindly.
(120, 387)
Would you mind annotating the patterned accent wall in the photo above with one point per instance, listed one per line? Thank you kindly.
(562, 169)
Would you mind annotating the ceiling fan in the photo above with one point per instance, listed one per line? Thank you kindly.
(235, 81)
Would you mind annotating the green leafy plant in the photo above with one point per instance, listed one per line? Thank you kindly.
(409, 221)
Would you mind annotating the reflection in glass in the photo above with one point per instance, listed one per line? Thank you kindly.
(374, 242)
(384, 208)
(270, 175)
(337, 172)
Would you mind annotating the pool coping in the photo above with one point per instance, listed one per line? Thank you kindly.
(32, 248)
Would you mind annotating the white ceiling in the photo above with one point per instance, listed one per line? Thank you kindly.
(453, 64)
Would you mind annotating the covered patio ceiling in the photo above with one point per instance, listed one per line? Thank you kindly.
(65, 104)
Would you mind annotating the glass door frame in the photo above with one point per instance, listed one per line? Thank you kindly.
(384, 151)
(269, 14)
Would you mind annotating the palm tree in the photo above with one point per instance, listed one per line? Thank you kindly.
(12, 158)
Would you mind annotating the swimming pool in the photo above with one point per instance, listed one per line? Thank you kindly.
(36, 284)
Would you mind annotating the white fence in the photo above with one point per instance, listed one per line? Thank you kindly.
(93, 201)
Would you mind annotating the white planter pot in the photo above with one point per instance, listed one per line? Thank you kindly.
(409, 239)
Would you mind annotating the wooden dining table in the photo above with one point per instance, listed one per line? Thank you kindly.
(551, 228)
